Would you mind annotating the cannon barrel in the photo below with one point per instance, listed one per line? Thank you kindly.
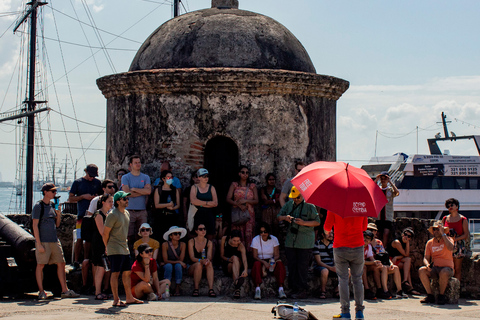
(21, 241)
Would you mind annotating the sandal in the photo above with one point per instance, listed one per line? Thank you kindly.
(408, 288)
(211, 293)
(236, 294)
(101, 296)
(323, 295)
(195, 293)
(238, 283)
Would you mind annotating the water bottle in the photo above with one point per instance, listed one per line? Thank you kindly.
(56, 202)
(272, 265)
(295, 311)
(167, 292)
(204, 254)
(106, 264)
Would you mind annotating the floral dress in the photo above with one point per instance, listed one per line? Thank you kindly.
(248, 228)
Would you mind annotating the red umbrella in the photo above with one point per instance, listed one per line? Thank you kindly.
(336, 186)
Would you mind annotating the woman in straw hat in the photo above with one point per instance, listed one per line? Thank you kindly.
(173, 253)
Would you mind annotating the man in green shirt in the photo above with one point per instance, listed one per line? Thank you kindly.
(115, 238)
(303, 218)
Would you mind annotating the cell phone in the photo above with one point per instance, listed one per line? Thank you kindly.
(56, 202)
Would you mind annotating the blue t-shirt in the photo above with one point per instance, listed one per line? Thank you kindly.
(47, 225)
(132, 181)
(83, 186)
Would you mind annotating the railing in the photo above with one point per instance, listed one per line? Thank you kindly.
(474, 228)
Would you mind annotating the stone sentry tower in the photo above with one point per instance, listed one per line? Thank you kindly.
(218, 87)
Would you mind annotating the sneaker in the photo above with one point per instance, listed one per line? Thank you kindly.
(359, 315)
(258, 294)
(152, 297)
(401, 295)
(342, 316)
(42, 295)
(69, 294)
(281, 294)
(430, 298)
(369, 295)
(384, 295)
(441, 299)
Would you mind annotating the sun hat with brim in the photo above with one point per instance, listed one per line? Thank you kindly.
(436, 224)
(372, 226)
(174, 229)
(144, 246)
(144, 226)
(294, 193)
(119, 195)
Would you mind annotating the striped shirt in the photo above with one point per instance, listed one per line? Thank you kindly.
(325, 252)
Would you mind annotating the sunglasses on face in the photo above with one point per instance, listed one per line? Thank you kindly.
(148, 251)
(244, 172)
(450, 205)
(201, 229)
(124, 199)
(204, 176)
(263, 231)
(298, 198)
(110, 186)
(219, 216)
(435, 229)
(143, 230)
(407, 235)
(176, 233)
(53, 191)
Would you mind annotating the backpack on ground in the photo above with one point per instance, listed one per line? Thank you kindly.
(285, 311)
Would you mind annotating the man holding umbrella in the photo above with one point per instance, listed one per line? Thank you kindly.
(299, 242)
(350, 196)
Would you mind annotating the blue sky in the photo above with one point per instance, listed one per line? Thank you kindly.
(407, 61)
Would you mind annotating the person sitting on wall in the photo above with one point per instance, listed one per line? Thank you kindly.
(324, 262)
(145, 232)
(234, 257)
(144, 276)
(374, 266)
(399, 252)
(173, 253)
(438, 262)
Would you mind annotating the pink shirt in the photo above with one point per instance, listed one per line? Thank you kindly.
(348, 231)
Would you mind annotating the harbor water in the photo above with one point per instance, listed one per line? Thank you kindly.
(10, 203)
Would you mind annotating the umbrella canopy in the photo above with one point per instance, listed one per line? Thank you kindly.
(343, 189)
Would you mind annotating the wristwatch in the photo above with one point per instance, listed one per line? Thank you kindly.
(444, 235)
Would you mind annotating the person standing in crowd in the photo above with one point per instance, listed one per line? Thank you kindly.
(83, 190)
(270, 196)
(145, 232)
(173, 253)
(167, 202)
(348, 253)
(138, 185)
(438, 262)
(399, 251)
(234, 258)
(48, 249)
(385, 218)
(204, 197)
(119, 174)
(324, 262)
(243, 194)
(144, 276)
(287, 186)
(299, 242)
(105, 204)
(115, 235)
(458, 226)
(176, 182)
(186, 195)
(266, 253)
(200, 251)
(88, 231)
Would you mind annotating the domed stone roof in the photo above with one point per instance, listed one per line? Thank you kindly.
(222, 37)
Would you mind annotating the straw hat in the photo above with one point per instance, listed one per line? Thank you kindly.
(372, 226)
(173, 229)
(436, 224)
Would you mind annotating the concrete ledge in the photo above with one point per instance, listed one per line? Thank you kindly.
(452, 292)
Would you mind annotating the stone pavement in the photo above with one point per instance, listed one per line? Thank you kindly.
(204, 308)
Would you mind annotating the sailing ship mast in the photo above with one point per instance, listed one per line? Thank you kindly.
(31, 103)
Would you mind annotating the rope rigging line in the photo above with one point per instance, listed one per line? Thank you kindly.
(53, 130)
(84, 122)
(467, 123)
(68, 84)
(53, 146)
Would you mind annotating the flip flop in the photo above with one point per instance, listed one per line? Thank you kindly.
(135, 302)
(119, 304)
(101, 296)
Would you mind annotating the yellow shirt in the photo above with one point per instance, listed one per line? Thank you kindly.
(154, 244)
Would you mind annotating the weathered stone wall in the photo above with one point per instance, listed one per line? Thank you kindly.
(273, 116)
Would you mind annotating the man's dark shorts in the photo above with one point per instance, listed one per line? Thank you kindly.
(384, 224)
(434, 274)
(120, 263)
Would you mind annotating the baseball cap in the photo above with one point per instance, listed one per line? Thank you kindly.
(294, 192)
(48, 186)
(92, 170)
(119, 195)
(202, 172)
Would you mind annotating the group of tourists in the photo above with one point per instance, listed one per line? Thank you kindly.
(154, 235)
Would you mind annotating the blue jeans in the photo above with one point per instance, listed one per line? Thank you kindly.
(168, 269)
(349, 258)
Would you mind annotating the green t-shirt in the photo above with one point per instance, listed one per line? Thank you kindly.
(117, 242)
(305, 238)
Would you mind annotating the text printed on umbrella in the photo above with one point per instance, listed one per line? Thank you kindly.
(305, 184)
(359, 207)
